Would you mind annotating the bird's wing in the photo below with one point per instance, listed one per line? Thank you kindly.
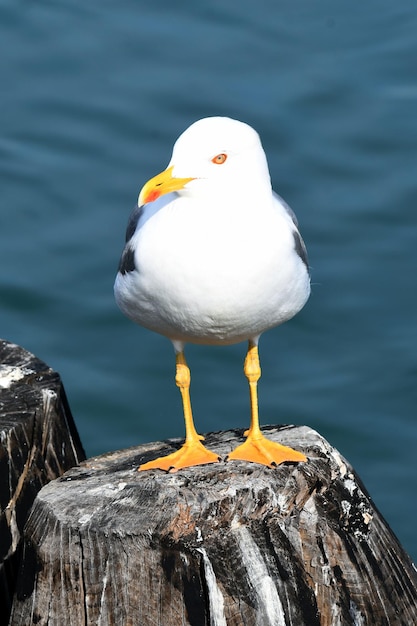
(299, 244)
(141, 214)
(133, 221)
(285, 206)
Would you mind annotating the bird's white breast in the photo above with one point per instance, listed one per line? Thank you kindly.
(208, 275)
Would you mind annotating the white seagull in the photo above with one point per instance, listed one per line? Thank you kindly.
(214, 256)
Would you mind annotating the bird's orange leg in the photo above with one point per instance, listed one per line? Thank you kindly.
(192, 452)
(258, 448)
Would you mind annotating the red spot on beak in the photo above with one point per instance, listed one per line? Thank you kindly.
(153, 195)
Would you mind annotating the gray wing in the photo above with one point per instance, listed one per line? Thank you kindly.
(139, 214)
(286, 207)
(299, 244)
(300, 247)
(145, 212)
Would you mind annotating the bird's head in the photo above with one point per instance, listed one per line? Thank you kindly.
(215, 157)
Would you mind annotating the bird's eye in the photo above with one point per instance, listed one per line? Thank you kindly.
(219, 159)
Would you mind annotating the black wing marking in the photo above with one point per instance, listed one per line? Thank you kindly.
(300, 247)
(133, 221)
(127, 261)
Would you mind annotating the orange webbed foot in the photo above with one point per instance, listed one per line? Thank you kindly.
(190, 454)
(259, 449)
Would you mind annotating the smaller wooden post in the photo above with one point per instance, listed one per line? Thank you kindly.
(38, 442)
(226, 544)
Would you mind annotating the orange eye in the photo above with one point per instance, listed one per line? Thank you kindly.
(219, 159)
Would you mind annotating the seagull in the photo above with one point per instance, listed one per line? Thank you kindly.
(214, 256)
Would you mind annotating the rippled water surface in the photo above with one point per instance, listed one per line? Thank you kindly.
(93, 96)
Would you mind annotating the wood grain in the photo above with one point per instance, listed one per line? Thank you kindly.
(224, 544)
(38, 442)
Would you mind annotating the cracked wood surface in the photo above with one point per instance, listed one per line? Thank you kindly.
(226, 544)
(38, 442)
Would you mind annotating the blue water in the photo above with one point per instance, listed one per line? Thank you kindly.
(93, 96)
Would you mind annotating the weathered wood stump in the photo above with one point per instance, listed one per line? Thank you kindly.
(38, 442)
(224, 544)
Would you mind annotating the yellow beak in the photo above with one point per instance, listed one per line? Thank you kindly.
(160, 185)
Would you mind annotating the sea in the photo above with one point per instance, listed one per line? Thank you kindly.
(93, 95)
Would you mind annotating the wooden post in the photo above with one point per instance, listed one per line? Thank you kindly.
(227, 544)
(38, 442)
